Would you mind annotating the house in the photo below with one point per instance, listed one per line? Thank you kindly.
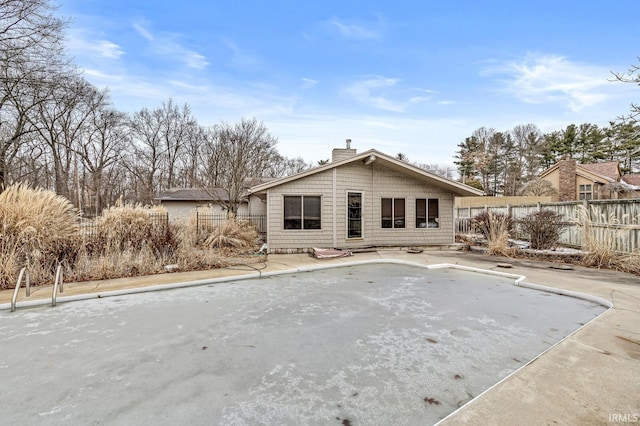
(594, 181)
(359, 201)
(182, 202)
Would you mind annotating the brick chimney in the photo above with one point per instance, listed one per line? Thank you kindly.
(341, 153)
(567, 180)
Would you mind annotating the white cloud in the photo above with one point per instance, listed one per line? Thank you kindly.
(538, 79)
(239, 57)
(141, 28)
(378, 91)
(422, 140)
(167, 45)
(356, 31)
(83, 43)
(308, 83)
(108, 49)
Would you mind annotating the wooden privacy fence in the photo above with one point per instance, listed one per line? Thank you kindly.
(617, 221)
(206, 221)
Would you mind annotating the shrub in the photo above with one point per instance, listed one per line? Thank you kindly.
(38, 228)
(543, 228)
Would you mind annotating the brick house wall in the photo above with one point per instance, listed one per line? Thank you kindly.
(567, 180)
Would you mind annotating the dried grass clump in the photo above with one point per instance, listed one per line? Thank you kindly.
(115, 263)
(599, 238)
(485, 221)
(38, 228)
(629, 263)
(498, 237)
(240, 234)
(125, 227)
(495, 227)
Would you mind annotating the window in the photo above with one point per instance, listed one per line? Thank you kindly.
(427, 213)
(585, 192)
(302, 212)
(354, 215)
(393, 215)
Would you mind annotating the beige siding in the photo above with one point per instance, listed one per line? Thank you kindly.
(375, 182)
(580, 180)
(554, 179)
(181, 211)
(256, 206)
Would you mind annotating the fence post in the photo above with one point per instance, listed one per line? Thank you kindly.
(197, 226)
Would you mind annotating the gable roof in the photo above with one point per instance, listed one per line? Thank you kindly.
(591, 171)
(370, 156)
(610, 169)
(632, 179)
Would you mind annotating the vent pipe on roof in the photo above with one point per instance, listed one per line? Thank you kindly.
(348, 143)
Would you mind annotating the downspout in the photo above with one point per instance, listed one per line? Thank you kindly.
(268, 221)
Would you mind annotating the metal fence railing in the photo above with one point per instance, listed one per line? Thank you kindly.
(205, 221)
(159, 221)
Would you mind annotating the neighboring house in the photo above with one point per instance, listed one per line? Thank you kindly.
(360, 201)
(589, 181)
(182, 202)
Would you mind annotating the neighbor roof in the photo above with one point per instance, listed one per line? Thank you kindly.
(610, 169)
(632, 179)
(591, 171)
(379, 158)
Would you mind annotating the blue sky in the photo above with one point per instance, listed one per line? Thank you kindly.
(415, 77)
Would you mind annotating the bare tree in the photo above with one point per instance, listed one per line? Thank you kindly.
(539, 187)
(164, 142)
(521, 156)
(31, 59)
(281, 166)
(631, 76)
(60, 122)
(178, 125)
(146, 154)
(196, 137)
(233, 155)
(437, 169)
(101, 147)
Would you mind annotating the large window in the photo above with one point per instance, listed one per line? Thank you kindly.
(393, 214)
(354, 215)
(585, 192)
(302, 212)
(427, 213)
